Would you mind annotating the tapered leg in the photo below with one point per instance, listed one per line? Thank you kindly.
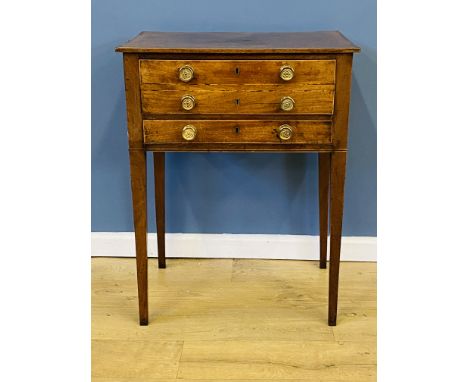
(337, 180)
(138, 180)
(159, 161)
(324, 185)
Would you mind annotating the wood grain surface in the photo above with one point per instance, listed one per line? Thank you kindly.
(133, 99)
(232, 99)
(324, 197)
(140, 224)
(240, 147)
(235, 320)
(240, 42)
(343, 93)
(159, 170)
(238, 131)
(337, 184)
(240, 72)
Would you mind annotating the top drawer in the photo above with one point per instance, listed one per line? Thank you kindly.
(230, 72)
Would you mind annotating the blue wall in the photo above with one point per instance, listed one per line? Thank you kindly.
(231, 193)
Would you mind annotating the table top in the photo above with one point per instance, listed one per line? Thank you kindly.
(239, 42)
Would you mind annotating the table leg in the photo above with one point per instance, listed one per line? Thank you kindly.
(138, 180)
(337, 180)
(159, 185)
(324, 186)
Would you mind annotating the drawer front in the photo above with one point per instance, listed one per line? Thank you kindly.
(237, 87)
(242, 131)
(245, 100)
(239, 72)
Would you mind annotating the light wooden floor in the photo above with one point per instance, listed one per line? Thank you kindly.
(236, 320)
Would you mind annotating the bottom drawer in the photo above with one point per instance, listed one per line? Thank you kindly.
(245, 131)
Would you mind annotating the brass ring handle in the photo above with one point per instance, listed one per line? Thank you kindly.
(186, 73)
(188, 102)
(285, 132)
(287, 103)
(286, 73)
(189, 132)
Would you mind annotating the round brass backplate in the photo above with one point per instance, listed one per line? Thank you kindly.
(189, 132)
(287, 104)
(285, 132)
(188, 102)
(186, 73)
(286, 73)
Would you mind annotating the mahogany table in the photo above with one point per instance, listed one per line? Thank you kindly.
(231, 92)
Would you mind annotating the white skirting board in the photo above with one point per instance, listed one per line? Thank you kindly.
(240, 246)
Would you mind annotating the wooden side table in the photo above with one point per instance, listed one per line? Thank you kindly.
(255, 92)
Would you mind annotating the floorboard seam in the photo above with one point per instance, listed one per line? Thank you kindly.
(180, 357)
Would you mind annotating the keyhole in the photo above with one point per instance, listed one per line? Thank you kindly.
(237, 71)
(237, 101)
(237, 129)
